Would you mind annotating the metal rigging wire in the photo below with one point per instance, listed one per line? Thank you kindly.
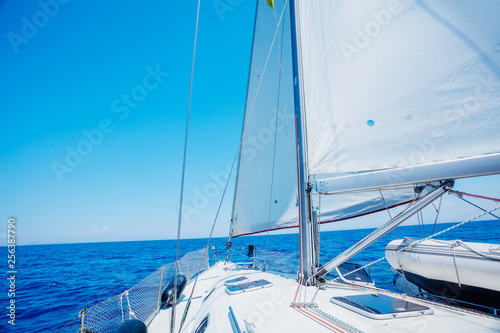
(179, 222)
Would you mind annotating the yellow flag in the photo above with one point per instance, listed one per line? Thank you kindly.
(270, 3)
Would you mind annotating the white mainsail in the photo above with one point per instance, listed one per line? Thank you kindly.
(411, 88)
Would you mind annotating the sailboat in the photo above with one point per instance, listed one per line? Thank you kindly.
(352, 108)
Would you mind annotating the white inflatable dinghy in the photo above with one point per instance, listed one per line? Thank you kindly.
(464, 271)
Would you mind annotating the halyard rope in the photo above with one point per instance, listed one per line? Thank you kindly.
(454, 245)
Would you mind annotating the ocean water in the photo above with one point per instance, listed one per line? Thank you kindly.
(54, 282)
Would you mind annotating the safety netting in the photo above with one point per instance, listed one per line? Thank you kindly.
(143, 300)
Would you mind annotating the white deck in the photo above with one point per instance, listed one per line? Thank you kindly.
(269, 310)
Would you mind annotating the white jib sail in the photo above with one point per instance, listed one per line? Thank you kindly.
(265, 194)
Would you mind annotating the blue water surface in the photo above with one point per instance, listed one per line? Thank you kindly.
(54, 282)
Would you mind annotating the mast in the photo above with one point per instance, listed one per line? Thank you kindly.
(306, 231)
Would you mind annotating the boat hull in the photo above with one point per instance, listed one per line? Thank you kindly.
(471, 294)
(467, 272)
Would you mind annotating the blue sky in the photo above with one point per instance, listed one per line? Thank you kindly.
(70, 77)
(92, 117)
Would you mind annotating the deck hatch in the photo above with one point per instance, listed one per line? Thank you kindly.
(232, 282)
(248, 286)
(358, 277)
(380, 306)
